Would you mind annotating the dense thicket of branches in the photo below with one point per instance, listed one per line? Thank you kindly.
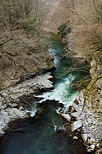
(12, 12)
(86, 18)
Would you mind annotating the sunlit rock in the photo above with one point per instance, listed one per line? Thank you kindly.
(66, 116)
(76, 125)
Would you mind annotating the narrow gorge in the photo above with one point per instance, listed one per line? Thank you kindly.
(50, 79)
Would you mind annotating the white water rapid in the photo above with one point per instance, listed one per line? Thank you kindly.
(61, 92)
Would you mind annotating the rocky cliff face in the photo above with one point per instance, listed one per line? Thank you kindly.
(21, 57)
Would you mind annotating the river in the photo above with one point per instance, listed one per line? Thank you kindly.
(45, 133)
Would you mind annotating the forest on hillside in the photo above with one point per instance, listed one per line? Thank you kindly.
(21, 25)
(27, 14)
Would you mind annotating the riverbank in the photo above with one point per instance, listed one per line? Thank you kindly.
(13, 100)
(90, 97)
(87, 109)
(87, 122)
(24, 66)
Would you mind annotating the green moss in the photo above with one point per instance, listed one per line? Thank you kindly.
(27, 24)
(63, 30)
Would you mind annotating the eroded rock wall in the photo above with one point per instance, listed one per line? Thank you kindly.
(21, 57)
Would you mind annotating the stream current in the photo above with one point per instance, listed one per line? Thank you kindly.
(45, 133)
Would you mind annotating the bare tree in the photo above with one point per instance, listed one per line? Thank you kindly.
(13, 10)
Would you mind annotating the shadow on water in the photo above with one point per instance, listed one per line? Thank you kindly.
(41, 135)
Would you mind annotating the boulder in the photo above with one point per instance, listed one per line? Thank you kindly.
(75, 137)
(77, 107)
(66, 116)
(75, 114)
(91, 140)
(99, 151)
(84, 137)
(92, 147)
(76, 125)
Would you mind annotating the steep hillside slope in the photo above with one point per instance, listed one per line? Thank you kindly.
(84, 19)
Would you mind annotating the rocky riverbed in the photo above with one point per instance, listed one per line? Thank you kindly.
(89, 124)
(10, 107)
